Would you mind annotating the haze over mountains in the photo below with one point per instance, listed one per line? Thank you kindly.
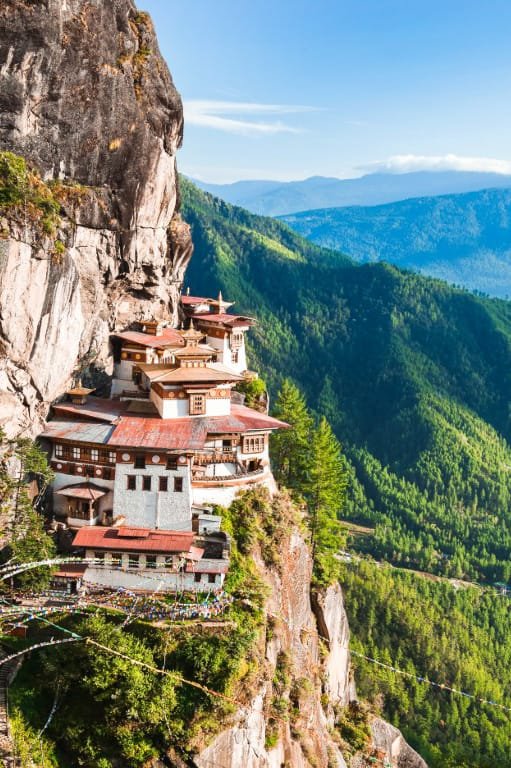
(464, 239)
(275, 198)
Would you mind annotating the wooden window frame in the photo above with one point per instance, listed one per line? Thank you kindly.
(178, 484)
(131, 482)
(163, 484)
(140, 462)
(197, 404)
(147, 482)
(254, 444)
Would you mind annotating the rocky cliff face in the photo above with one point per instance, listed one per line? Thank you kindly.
(307, 665)
(87, 99)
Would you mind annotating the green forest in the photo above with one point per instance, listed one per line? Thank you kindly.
(457, 637)
(414, 376)
(462, 238)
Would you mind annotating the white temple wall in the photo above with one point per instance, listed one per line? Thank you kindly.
(170, 409)
(168, 510)
(148, 580)
(224, 495)
(218, 406)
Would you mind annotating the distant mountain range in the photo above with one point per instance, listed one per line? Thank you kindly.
(275, 198)
(464, 239)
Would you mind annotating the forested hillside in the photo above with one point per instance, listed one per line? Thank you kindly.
(430, 630)
(414, 375)
(463, 238)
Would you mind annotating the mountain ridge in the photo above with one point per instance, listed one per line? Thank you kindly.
(464, 239)
(271, 198)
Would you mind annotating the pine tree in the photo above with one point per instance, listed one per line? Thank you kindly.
(31, 543)
(325, 491)
(290, 447)
(21, 460)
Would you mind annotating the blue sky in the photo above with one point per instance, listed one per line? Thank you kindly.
(285, 89)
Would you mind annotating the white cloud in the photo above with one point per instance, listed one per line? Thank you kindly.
(227, 116)
(450, 162)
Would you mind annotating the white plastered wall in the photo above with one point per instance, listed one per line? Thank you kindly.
(168, 510)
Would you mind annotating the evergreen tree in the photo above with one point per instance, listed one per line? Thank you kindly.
(21, 460)
(31, 543)
(325, 491)
(290, 446)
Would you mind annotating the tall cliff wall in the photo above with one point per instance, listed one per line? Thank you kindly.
(86, 98)
(307, 664)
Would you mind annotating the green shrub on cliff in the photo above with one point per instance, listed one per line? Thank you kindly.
(13, 179)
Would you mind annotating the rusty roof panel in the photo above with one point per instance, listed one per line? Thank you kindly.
(181, 434)
(164, 542)
(78, 431)
(170, 337)
(87, 491)
(100, 408)
(225, 319)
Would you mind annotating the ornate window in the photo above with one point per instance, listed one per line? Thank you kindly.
(197, 405)
(59, 451)
(236, 340)
(75, 452)
(253, 444)
(94, 454)
(111, 457)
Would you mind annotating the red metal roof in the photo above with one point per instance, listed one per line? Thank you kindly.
(184, 374)
(225, 319)
(189, 432)
(195, 554)
(170, 337)
(255, 420)
(195, 300)
(78, 431)
(111, 539)
(128, 532)
(181, 434)
(71, 571)
(97, 408)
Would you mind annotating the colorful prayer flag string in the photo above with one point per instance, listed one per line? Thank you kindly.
(426, 681)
